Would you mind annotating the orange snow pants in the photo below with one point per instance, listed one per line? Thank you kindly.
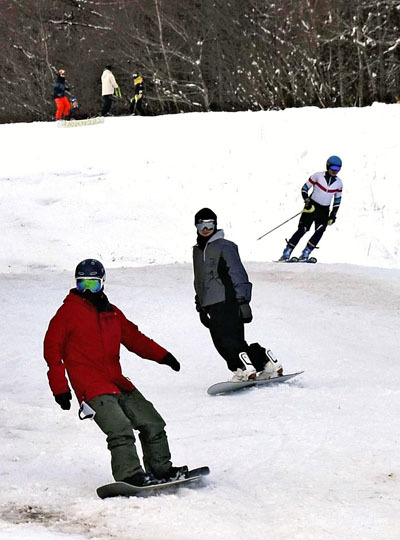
(63, 107)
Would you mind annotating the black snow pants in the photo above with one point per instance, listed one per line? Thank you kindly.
(227, 332)
(136, 107)
(320, 217)
(107, 102)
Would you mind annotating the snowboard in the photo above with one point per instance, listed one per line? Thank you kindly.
(123, 489)
(228, 386)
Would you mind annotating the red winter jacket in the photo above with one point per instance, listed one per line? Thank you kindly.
(86, 343)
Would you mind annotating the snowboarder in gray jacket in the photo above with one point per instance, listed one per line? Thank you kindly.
(223, 295)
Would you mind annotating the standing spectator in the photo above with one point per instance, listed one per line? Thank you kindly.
(136, 106)
(108, 87)
(62, 102)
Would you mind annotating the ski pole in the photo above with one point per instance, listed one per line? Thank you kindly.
(277, 227)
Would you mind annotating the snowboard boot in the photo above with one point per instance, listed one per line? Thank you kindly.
(242, 375)
(286, 253)
(273, 368)
(141, 479)
(306, 253)
(174, 473)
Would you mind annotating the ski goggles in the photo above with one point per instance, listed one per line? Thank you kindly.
(89, 284)
(335, 168)
(207, 224)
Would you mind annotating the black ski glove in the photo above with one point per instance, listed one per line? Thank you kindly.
(332, 218)
(204, 318)
(172, 362)
(308, 206)
(245, 313)
(64, 400)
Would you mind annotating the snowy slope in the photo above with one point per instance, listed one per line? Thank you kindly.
(134, 184)
(316, 458)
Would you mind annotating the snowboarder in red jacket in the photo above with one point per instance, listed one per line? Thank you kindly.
(83, 341)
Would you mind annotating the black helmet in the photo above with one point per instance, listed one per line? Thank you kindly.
(90, 268)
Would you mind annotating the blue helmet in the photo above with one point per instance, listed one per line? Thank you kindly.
(334, 163)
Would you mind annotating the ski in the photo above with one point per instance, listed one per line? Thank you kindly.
(310, 260)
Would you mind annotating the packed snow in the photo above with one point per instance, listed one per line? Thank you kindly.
(313, 458)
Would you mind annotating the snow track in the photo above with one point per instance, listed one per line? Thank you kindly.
(316, 458)
(313, 458)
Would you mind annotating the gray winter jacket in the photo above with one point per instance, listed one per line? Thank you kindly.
(218, 268)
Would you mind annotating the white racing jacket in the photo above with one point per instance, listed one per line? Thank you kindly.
(324, 188)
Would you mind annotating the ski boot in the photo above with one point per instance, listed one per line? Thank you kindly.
(286, 253)
(306, 253)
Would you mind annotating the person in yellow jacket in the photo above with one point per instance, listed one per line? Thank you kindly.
(109, 87)
(136, 106)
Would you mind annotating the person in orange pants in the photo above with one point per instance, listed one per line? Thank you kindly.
(62, 102)
(63, 107)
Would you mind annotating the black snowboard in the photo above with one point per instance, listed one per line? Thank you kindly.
(123, 489)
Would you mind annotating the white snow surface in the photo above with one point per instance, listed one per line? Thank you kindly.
(313, 458)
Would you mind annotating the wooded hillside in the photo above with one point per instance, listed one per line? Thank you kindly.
(195, 55)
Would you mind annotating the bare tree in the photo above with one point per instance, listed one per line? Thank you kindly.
(200, 56)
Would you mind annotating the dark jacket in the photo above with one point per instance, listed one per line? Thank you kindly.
(77, 114)
(85, 343)
(59, 87)
(219, 274)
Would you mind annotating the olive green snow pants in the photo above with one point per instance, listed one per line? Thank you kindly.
(117, 415)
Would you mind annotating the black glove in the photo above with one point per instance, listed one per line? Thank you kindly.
(197, 304)
(204, 318)
(308, 206)
(245, 313)
(172, 362)
(64, 400)
(332, 218)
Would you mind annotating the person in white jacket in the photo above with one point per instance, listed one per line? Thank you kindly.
(325, 187)
(108, 86)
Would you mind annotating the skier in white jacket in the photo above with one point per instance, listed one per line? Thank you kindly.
(325, 187)
(108, 86)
